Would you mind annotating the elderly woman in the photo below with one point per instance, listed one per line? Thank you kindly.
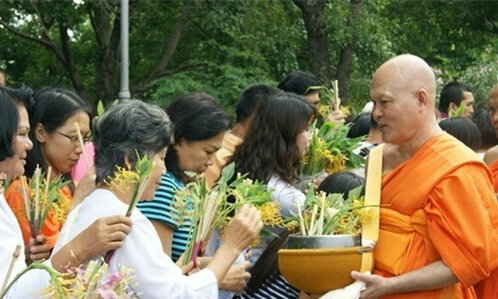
(125, 130)
(103, 235)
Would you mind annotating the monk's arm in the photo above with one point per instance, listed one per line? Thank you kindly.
(433, 276)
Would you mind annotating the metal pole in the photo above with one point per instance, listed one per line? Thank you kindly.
(124, 93)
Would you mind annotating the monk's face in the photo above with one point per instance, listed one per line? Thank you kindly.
(395, 106)
(493, 108)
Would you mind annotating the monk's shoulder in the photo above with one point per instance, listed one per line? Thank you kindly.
(491, 155)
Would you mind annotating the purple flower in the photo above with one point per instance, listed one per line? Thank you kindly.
(107, 294)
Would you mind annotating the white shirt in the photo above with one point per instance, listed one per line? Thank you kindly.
(156, 276)
(11, 235)
(289, 198)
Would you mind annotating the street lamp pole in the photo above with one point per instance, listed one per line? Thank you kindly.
(124, 93)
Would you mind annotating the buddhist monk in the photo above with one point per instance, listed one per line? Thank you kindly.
(438, 231)
(491, 156)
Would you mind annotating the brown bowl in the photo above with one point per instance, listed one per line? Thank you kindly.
(319, 270)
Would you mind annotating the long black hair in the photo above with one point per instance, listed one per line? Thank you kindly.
(52, 108)
(270, 144)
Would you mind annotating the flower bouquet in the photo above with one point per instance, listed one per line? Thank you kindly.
(327, 247)
(41, 198)
(210, 209)
(330, 151)
(78, 283)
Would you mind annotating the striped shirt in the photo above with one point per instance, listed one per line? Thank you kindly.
(273, 288)
(161, 209)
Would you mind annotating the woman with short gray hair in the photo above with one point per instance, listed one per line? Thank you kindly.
(124, 130)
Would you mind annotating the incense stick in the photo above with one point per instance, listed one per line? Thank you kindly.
(83, 150)
(15, 255)
(336, 94)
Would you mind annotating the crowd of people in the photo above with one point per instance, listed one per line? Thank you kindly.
(438, 224)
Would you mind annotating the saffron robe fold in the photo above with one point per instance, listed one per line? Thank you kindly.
(488, 288)
(494, 170)
(439, 205)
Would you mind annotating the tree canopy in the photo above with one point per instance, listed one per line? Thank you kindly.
(221, 47)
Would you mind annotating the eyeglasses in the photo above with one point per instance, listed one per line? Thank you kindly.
(74, 139)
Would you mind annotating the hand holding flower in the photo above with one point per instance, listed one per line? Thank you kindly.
(38, 250)
(243, 228)
(103, 235)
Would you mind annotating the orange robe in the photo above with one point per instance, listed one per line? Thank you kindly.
(488, 288)
(51, 227)
(494, 169)
(440, 206)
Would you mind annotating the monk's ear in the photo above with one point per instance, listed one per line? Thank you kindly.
(423, 98)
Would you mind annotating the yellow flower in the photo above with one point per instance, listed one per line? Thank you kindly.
(338, 163)
(270, 213)
(123, 179)
(345, 111)
(292, 225)
(324, 110)
(60, 208)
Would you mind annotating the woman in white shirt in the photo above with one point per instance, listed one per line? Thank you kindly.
(101, 236)
(272, 151)
(124, 130)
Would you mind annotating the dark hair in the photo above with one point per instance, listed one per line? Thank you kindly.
(483, 122)
(270, 144)
(361, 125)
(463, 129)
(452, 93)
(341, 182)
(195, 117)
(125, 129)
(52, 108)
(298, 82)
(266, 267)
(9, 114)
(9, 117)
(250, 98)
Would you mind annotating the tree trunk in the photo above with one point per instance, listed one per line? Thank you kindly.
(318, 41)
(68, 63)
(346, 59)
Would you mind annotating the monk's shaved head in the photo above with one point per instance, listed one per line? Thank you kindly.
(403, 92)
(409, 73)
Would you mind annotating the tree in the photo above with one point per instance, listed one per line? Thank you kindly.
(318, 40)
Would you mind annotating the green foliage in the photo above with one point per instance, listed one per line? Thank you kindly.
(227, 45)
(482, 75)
(224, 82)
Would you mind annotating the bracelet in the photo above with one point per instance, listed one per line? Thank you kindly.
(73, 254)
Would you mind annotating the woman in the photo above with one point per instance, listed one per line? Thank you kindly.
(56, 145)
(272, 151)
(123, 131)
(200, 126)
(101, 236)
